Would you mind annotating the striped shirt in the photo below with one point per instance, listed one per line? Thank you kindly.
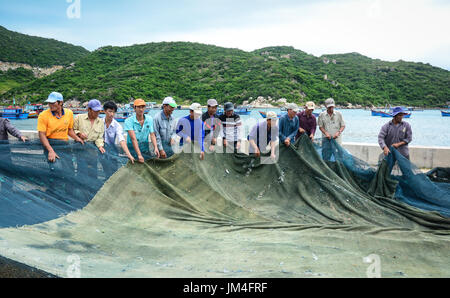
(232, 127)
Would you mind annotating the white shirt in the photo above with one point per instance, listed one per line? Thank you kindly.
(114, 133)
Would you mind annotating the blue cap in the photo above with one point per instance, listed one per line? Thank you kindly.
(95, 105)
(54, 97)
(398, 110)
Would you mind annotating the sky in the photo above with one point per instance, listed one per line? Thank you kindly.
(390, 30)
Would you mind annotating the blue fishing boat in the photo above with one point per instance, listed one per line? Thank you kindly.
(445, 113)
(376, 113)
(243, 111)
(389, 115)
(120, 116)
(14, 113)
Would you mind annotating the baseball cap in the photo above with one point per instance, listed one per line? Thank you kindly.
(169, 101)
(95, 105)
(329, 102)
(310, 105)
(292, 106)
(212, 102)
(271, 115)
(228, 106)
(139, 102)
(54, 97)
(196, 107)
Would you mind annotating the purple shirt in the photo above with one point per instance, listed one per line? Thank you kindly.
(309, 124)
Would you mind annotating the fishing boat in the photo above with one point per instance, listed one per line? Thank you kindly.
(445, 113)
(34, 109)
(382, 113)
(77, 111)
(15, 113)
(376, 113)
(120, 116)
(244, 110)
(387, 113)
(264, 114)
(416, 109)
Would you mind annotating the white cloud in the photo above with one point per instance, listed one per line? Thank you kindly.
(414, 30)
(389, 30)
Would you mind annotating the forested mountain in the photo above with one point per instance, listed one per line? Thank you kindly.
(37, 51)
(197, 72)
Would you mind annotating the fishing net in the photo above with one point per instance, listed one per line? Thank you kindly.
(229, 215)
(34, 190)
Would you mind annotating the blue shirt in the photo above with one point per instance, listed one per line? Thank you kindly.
(164, 129)
(142, 132)
(288, 127)
(187, 127)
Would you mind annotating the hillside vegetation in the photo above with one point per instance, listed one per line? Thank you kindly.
(197, 72)
(37, 51)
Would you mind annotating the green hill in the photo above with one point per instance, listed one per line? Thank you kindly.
(14, 78)
(196, 72)
(37, 51)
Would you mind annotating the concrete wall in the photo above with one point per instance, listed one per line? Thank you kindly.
(422, 157)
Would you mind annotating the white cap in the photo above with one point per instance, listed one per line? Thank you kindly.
(329, 102)
(292, 106)
(169, 101)
(212, 102)
(196, 107)
(271, 115)
(310, 105)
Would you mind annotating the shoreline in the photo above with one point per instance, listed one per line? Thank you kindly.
(265, 106)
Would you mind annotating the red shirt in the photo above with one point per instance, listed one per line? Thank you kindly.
(309, 124)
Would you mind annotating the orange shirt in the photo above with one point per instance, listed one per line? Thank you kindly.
(53, 127)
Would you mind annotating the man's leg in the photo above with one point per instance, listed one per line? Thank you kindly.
(326, 149)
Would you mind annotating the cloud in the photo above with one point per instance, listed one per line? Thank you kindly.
(413, 30)
(388, 30)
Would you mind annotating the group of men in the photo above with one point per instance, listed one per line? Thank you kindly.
(201, 128)
(294, 124)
